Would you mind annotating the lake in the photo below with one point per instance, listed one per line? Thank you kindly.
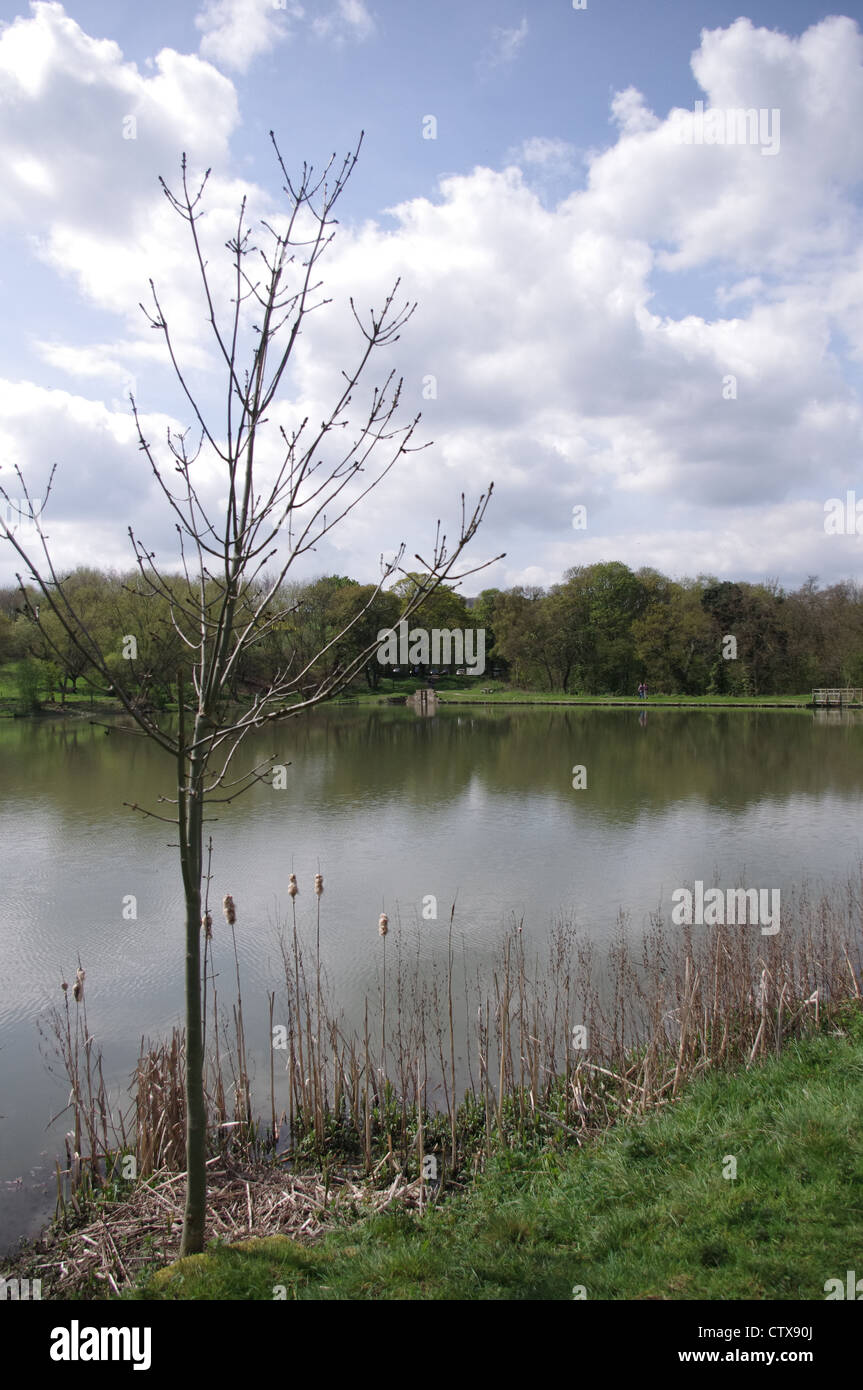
(475, 805)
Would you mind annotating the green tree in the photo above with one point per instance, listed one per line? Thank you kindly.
(29, 682)
(520, 633)
(612, 597)
(672, 636)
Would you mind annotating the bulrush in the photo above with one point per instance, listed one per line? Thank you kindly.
(319, 884)
(78, 987)
(207, 924)
(229, 909)
(383, 924)
(292, 886)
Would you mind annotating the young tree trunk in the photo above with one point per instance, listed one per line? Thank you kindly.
(196, 1114)
(190, 795)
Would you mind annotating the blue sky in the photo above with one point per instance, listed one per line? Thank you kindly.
(586, 283)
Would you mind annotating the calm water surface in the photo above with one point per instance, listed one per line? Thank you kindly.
(391, 808)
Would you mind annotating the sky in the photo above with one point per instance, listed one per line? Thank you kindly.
(616, 310)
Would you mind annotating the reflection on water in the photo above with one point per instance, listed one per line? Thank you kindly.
(465, 804)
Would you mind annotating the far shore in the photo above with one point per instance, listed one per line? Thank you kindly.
(452, 692)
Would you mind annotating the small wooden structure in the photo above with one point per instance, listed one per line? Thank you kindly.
(423, 701)
(847, 696)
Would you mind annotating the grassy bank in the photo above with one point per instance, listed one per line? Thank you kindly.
(647, 1211)
(506, 696)
(567, 1050)
(486, 691)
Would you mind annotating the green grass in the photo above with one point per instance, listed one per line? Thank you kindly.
(462, 690)
(644, 1213)
(506, 695)
(9, 692)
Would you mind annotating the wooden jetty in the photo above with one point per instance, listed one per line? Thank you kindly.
(847, 695)
(423, 701)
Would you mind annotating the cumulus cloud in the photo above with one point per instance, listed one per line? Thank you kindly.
(236, 32)
(538, 355)
(74, 110)
(39, 427)
(728, 203)
(631, 114)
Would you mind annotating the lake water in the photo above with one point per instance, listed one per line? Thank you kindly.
(472, 804)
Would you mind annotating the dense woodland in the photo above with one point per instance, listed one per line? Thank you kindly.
(601, 630)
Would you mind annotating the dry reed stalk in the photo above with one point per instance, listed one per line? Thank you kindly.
(420, 1153)
(779, 1019)
(302, 1106)
(207, 925)
(853, 976)
(272, 1002)
(487, 1084)
(382, 931)
(368, 1114)
(451, 1103)
(319, 888)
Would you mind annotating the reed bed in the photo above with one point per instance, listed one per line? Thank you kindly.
(557, 1042)
(450, 1063)
(122, 1239)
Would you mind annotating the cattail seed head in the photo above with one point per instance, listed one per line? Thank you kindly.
(207, 924)
(292, 886)
(383, 924)
(64, 986)
(78, 987)
(229, 909)
(319, 884)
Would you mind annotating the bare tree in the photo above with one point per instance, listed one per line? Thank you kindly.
(233, 567)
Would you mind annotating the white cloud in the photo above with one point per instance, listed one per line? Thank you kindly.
(544, 151)
(555, 372)
(788, 539)
(348, 19)
(65, 155)
(90, 197)
(98, 360)
(630, 113)
(91, 444)
(730, 204)
(238, 31)
(505, 46)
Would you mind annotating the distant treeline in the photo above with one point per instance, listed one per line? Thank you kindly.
(605, 628)
(602, 630)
